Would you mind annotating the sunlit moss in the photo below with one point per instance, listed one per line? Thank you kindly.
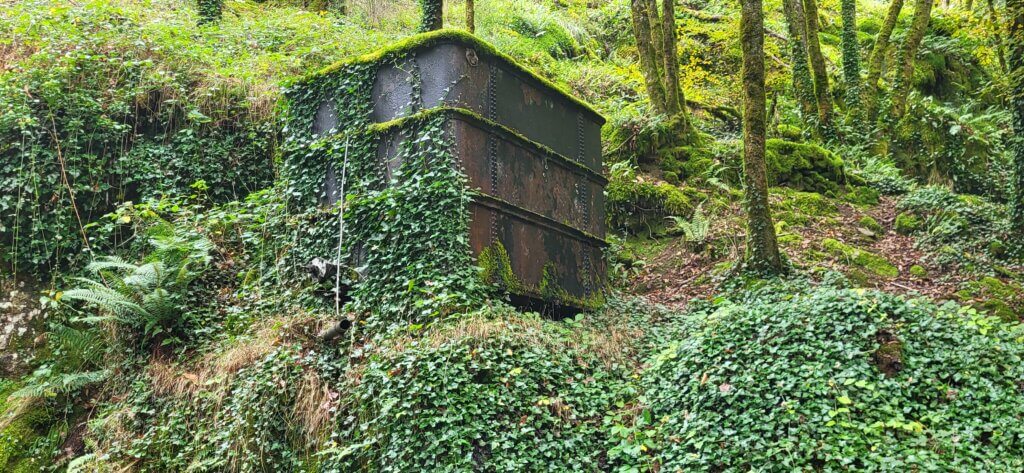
(864, 259)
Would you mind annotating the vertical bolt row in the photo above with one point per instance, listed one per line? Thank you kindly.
(584, 197)
(492, 143)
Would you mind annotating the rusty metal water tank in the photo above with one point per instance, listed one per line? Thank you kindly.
(531, 152)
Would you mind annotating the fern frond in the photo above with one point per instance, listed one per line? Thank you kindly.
(108, 263)
(146, 277)
(79, 349)
(159, 306)
(695, 230)
(81, 464)
(107, 299)
(71, 382)
(59, 383)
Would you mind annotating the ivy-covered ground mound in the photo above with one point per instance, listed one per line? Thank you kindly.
(833, 379)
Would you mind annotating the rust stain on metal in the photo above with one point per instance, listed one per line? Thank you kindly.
(532, 156)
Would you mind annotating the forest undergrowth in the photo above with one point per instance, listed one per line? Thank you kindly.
(158, 214)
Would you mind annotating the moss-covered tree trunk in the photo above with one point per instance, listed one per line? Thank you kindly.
(803, 86)
(762, 254)
(1015, 15)
(471, 16)
(654, 19)
(648, 58)
(210, 11)
(433, 15)
(851, 56)
(908, 52)
(670, 57)
(818, 69)
(876, 62)
(996, 35)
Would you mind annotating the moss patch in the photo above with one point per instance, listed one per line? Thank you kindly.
(989, 294)
(907, 223)
(19, 433)
(870, 223)
(864, 259)
(636, 205)
(444, 36)
(862, 195)
(789, 132)
(918, 271)
(804, 166)
(801, 208)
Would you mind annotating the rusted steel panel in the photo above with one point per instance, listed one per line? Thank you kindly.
(540, 253)
(544, 209)
(454, 75)
(524, 175)
(532, 156)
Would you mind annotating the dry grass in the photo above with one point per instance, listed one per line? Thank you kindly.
(216, 369)
(314, 408)
(609, 345)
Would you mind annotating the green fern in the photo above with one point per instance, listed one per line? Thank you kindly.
(695, 230)
(145, 298)
(49, 385)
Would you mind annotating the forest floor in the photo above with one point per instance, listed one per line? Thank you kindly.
(673, 273)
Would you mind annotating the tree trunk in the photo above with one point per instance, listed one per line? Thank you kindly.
(821, 93)
(471, 16)
(876, 62)
(649, 64)
(210, 11)
(996, 27)
(433, 15)
(654, 19)
(851, 55)
(670, 56)
(1015, 14)
(762, 253)
(803, 86)
(907, 54)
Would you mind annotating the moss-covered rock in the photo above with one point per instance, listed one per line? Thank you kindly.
(19, 432)
(798, 208)
(918, 271)
(868, 222)
(635, 204)
(804, 166)
(811, 204)
(789, 132)
(907, 223)
(862, 195)
(876, 264)
(695, 161)
(995, 297)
